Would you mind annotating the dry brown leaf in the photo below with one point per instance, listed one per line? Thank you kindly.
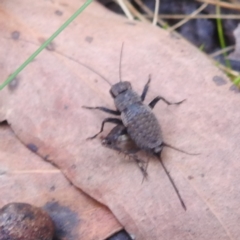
(24, 177)
(44, 109)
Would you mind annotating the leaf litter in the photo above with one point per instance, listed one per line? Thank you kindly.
(45, 110)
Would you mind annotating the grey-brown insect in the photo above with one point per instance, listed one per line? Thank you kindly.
(137, 121)
(119, 140)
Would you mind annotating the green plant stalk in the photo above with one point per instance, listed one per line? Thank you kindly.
(165, 26)
(201, 47)
(45, 44)
(220, 35)
(236, 81)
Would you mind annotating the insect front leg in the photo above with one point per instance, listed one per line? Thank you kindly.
(104, 109)
(145, 89)
(158, 98)
(110, 120)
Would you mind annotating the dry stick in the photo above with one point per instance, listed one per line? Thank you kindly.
(226, 69)
(224, 50)
(200, 16)
(149, 11)
(156, 11)
(194, 13)
(222, 4)
(160, 22)
(135, 12)
(222, 67)
(125, 9)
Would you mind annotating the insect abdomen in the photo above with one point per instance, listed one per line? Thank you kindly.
(142, 126)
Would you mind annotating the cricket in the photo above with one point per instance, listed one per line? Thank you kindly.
(137, 128)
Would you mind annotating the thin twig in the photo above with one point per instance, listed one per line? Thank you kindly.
(227, 70)
(123, 6)
(148, 11)
(199, 16)
(194, 13)
(160, 22)
(222, 67)
(222, 4)
(156, 11)
(135, 12)
(224, 50)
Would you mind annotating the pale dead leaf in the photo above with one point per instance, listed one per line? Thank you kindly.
(45, 110)
(24, 177)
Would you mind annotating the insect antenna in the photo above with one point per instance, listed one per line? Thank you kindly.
(93, 70)
(172, 182)
(120, 64)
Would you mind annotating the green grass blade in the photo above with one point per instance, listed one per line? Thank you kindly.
(45, 44)
(221, 36)
(201, 47)
(236, 81)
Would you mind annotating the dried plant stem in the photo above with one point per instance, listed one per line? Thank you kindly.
(123, 6)
(227, 70)
(224, 50)
(204, 5)
(221, 4)
(149, 12)
(135, 12)
(199, 16)
(156, 11)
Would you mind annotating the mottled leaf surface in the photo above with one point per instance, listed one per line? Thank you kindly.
(25, 177)
(44, 109)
